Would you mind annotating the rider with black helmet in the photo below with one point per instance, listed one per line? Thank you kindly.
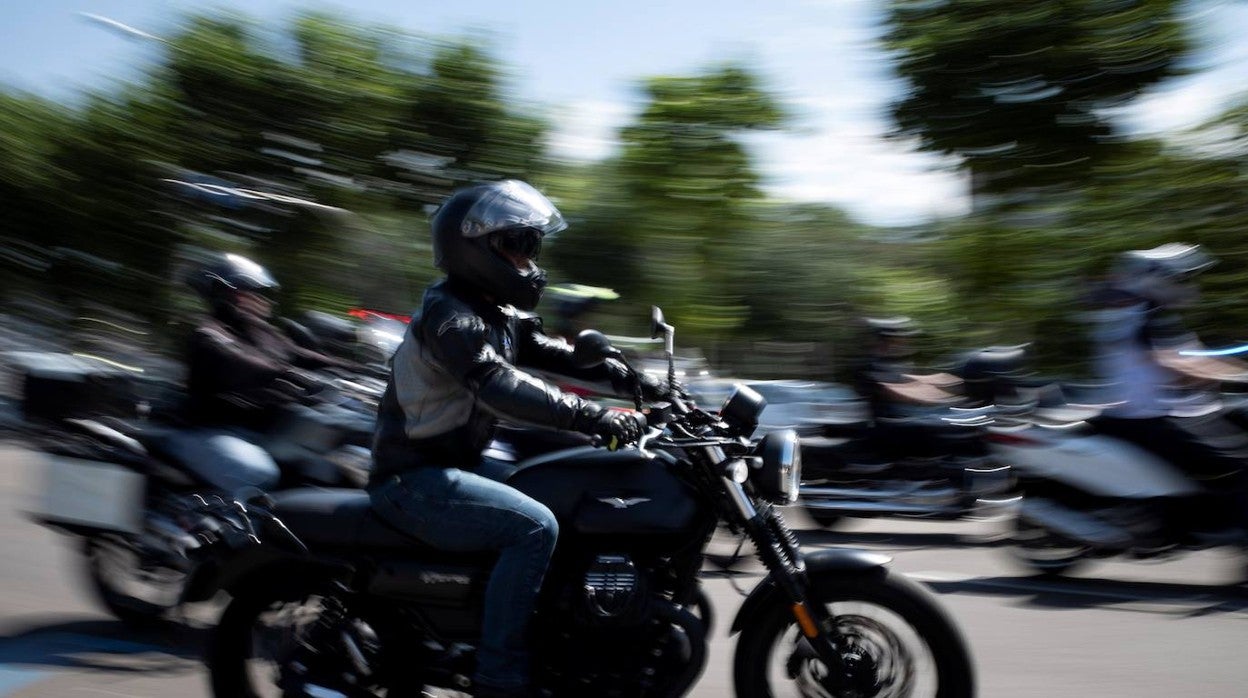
(897, 393)
(889, 380)
(242, 367)
(241, 370)
(454, 376)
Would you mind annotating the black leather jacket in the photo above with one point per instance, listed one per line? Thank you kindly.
(455, 375)
(235, 367)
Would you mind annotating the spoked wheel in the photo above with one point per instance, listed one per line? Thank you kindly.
(1044, 552)
(895, 641)
(135, 589)
(291, 642)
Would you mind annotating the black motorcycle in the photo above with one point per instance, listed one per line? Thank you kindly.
(330, 600)
(119, 484)
(934, 466)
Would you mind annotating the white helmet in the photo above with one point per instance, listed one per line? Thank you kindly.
(1163, 274)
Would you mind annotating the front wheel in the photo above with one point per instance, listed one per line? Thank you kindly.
(896, 641)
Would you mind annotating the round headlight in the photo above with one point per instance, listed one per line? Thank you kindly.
(742, 409)
(780, 471)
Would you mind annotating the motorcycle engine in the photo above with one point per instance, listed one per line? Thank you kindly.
(613, 592)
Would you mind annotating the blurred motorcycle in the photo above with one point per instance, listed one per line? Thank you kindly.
(934, 463)
(369, 337)
(1087, 495)
(950, 473)
(117, 479)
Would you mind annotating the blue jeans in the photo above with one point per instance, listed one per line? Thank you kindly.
(227, 459)
(460, 511)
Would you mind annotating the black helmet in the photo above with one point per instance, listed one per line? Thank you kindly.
(891, 336)
(476, 229)
(217, 280)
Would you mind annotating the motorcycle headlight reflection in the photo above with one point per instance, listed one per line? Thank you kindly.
(779, 471)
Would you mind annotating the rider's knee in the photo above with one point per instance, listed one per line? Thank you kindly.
(547, 526)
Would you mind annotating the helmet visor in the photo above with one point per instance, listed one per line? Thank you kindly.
(511, 204)
(519, 243)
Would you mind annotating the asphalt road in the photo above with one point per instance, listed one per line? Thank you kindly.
(1122, 629)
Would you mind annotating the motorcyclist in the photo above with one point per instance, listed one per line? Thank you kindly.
(1146, 357)
(454, 377)
(888, 378)
(241, 371)
(897, 393)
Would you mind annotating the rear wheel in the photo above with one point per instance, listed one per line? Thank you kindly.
(1044, 552)
(897, 641)
(291, 639)
(138, 591)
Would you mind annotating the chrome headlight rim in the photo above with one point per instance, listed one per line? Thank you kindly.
(791, 467)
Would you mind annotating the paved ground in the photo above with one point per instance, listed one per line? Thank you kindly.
(1120, 630)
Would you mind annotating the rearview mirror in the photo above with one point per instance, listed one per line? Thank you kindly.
(657, 323)
(660, 328)
(592, 348)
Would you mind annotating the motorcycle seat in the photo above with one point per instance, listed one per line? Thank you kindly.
(344, 519)
(337, 518)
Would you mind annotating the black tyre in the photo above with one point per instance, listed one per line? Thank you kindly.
(1043, 552)
(283, 638)
(903, 644)
(139, 595)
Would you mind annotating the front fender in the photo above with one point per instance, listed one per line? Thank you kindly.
(834, 561)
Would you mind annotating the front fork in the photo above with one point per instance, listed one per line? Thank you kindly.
(779, 551)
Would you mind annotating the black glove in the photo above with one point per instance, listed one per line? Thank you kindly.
(617, 428)
(654, 389)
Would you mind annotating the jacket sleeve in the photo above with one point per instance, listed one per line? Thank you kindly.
(457, 339)
(233, 366)
(546, 353)
(307, 358)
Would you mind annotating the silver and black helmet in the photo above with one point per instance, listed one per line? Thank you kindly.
(490, 236)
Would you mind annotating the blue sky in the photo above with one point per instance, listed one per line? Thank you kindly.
(578, 62)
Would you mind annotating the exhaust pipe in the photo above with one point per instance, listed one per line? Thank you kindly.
(877, 495)
(884, 508)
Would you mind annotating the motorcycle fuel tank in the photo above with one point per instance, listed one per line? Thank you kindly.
(597, 492)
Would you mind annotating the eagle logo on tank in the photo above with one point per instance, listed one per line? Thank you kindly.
(620, 503)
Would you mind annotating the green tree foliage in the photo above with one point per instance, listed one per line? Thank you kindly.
(376, 126)
(1016, 89)
(673, 209)
(354, 118)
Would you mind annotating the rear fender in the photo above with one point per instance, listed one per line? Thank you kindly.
(842, 562)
